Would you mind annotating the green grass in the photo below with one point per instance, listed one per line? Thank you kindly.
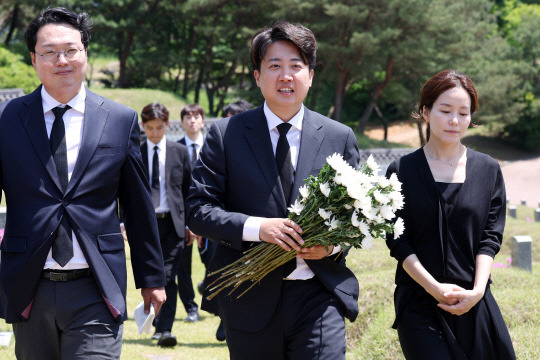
(370, 336)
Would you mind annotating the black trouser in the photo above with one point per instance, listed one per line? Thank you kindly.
(171, 247)
(185, 284)
(307, 324)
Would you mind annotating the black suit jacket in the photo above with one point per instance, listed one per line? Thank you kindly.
(109, 168)
(237, 177)
(177, 181)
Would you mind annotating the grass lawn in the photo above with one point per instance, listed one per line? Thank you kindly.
(371, 336)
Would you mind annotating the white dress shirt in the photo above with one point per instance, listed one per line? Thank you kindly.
(73, 123)
(198, 143)
(163, 204)
(253, 224)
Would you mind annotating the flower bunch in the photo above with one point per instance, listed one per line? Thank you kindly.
(340, 207)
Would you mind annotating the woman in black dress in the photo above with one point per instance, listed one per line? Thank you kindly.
(454, 217)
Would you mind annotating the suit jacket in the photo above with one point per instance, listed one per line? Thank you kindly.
(237, 177)
(177, 181)
(109, 168)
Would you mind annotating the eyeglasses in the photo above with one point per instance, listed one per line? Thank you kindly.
(70, 54)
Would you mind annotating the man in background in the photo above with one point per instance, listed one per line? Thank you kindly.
(169, 170)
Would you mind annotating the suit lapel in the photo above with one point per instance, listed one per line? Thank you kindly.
(258, 139)
(144, 155)
(34, 125)
(95, 118)
(310, 144)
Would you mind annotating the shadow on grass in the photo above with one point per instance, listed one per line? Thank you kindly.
(152, 343)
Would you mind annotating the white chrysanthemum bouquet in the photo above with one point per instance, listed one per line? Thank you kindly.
(341, 206)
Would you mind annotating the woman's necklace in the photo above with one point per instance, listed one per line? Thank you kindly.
(452, 162)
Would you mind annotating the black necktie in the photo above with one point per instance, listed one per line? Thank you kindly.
(155, 178)
(283, 160)
(62, 248)
(193, 154)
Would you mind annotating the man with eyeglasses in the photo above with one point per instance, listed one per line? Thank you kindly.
(67, 157)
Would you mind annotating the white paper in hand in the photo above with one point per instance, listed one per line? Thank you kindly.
(144, 321)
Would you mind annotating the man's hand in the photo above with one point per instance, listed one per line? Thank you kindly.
(190, 237)
(156, 296)
(315, 252)
(284, 232)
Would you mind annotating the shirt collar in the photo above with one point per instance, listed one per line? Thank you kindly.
(77, 103)
(273, 120)
(161, 144)
(199, 141)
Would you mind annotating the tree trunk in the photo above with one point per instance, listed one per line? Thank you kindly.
(375, 97)
(383, 120)
(13, 24)
(123, 81)
(339, 94)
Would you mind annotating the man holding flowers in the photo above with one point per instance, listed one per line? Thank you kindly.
(251, 169)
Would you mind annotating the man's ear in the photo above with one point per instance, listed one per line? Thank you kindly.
(256, 75)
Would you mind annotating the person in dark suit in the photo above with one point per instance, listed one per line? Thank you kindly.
(169, 168)
(192, 119)
(67, 156)
(454, 216)
(250, 169)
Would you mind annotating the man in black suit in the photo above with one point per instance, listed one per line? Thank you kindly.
(250, 169)
(192, 119)
(169, 169)
(67, 156)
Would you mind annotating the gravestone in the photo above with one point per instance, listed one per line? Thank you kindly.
(537, 215)
(522, 252)
(523, 202)
(512, 212)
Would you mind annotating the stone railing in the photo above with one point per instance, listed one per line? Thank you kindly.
(8, 94)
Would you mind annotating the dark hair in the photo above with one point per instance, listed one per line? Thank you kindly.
(237, 107)
(438, 84)
(191, 109)
(58, 15)
(300, 36)
(154, 111)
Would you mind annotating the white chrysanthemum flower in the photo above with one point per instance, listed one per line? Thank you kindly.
(336, 162)
(383, 182)
(370, 213)
(397, 200)
(356, 191)
(354, 219)
(372, 164)
(367, 243)
(325, 214)
(304, 191)
(296, 208)
(347, 206)
(381, 198)
(363, 202)
(338, 179)
(386, 212)
(379, 219)
(332, 224)
(364, 228)
(396, 184)
(399, 228)
(325, 189)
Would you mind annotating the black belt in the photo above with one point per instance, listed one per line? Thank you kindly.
(65, 275)
(163, 215)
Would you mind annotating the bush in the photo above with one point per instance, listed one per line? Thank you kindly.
(14, 73)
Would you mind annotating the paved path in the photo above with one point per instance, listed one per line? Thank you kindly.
(522, 179)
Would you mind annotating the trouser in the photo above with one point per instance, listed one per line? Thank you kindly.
(69, 320)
